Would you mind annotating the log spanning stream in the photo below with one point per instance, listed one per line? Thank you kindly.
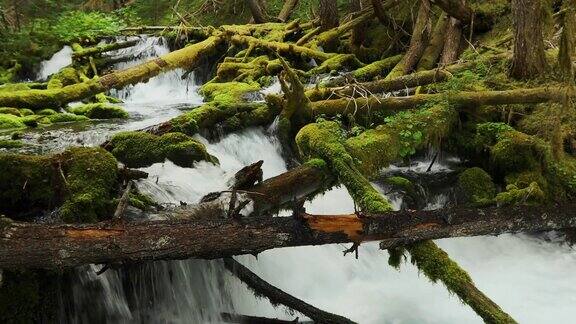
(532, 278)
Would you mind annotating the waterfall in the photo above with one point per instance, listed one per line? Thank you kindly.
(529, 277)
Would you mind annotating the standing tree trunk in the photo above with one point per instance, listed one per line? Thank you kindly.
(528, 60)
(328, 12)
(257, 11)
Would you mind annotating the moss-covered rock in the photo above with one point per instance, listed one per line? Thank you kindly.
(99, 111)
(9, 121)
(62, 118)
(11, 111)
(26, 112)
(66, 76)
(475, 186)
(80, 180)
(46, 112)
(140, 149)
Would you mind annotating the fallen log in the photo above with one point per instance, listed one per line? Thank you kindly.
(470, 99)
(91, 51)
(278, 296)
(280, 47)
(187, 57)
(367, 89)
(33, 245)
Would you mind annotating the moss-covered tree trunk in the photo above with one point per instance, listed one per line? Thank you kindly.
(529, 59)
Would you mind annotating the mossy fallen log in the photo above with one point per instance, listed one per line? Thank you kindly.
(377, 87)
(80, 181)
(58, 246)
(281, 47)
(364, 107)
(186, 57)
(140, 149)
(92, 51)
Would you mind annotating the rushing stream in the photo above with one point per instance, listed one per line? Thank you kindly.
(531, 278)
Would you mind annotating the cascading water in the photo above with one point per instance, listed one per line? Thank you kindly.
(529, 277)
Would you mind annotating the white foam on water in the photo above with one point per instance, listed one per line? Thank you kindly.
(60, 59)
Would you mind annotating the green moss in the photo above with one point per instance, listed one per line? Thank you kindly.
(26, 112)
(140, 149)
(476, 186)
(63, 118)
(228, 93)
(99, 111)
(514, 195)
(141, 201)
(11, 87)
(376, 68)
(316, 163)
(91, 175)
(325, 140)
(46, 112)
(400, 183)
(11, 111)
(336, 63)
(232, 116)
(8, 121)
(64, 77)
(80, 180)
(401, 136)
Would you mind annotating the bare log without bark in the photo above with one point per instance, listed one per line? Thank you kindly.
(29, 245)
(277, 296)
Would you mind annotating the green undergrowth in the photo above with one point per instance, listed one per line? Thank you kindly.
(141, 149)
(402, 135)
(80, 181)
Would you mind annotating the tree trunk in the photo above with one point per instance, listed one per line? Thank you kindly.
(457, 9)
(419, 40)
(434, 49)
(328, 12)
(187, 57)
(287, 9)
(33, 245)
(452, 40)
(257, 12)
(529, 59)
